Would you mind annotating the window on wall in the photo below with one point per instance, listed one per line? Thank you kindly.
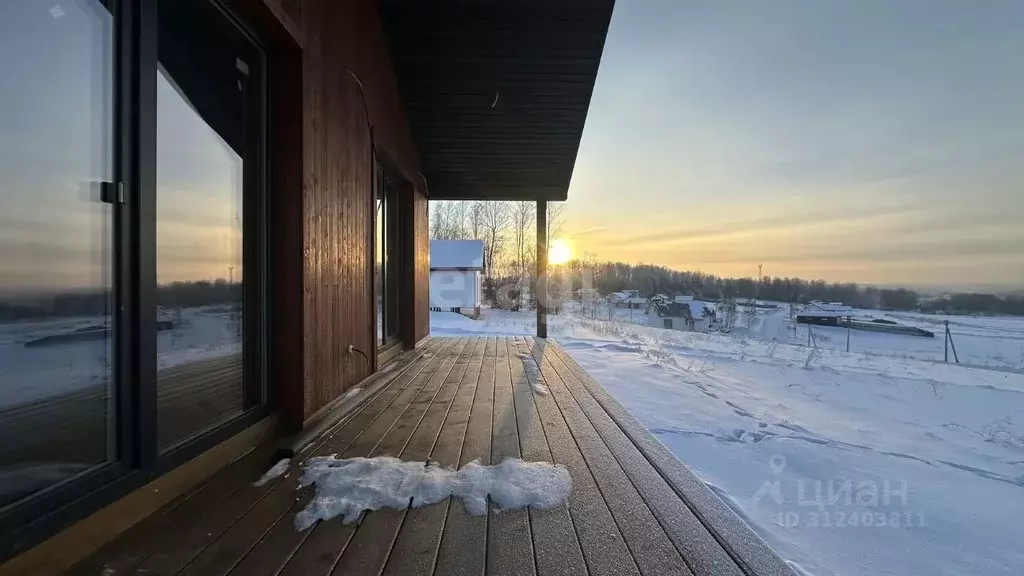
(209, 95)
(387, 250)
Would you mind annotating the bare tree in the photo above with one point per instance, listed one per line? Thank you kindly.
(458, 220)
(556, 220)
(493, 226)
(448, 220)
(475, 220)
(523, 216)
(494, 221)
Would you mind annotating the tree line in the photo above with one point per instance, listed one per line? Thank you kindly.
(649, 279)
(509, 234)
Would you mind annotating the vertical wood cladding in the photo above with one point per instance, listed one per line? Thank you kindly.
(337, 184)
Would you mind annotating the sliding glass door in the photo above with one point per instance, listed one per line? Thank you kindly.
(57, 267)
(209, 114)
(132, 248)
(387, 253)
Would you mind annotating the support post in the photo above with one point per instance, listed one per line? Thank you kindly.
(542, 269)
(849, 323)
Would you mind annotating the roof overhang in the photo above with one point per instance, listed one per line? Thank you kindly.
(497, 92)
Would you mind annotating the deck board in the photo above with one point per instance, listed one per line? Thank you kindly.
(603, 547)
(325, 542)
(463, 399)
(415, 548)
(652, 551)
(556, 547)
(463, 547)
(701, 553)
(371, 544)
(509, 538)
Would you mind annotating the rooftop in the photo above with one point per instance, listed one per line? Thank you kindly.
(497, 92)
(457, 255)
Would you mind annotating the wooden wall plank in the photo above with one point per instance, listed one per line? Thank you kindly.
(348, 87)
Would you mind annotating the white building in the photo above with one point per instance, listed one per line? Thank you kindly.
(456, 267)
(824, 313)
(684, 313)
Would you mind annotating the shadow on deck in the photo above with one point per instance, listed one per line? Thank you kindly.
(633, 509)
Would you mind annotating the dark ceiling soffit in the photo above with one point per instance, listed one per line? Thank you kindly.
(497, 93)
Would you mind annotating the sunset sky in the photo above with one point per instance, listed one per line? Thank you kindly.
(853, 141)
(871, 141)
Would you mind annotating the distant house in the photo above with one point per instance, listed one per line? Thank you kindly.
(824, 313)
(455, 270)
(627, 299)
(683, 313)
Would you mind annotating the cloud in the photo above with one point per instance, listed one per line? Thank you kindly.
(820, 217)
(588, 231)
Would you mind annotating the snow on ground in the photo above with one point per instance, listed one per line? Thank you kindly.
(28, 374)
(996, 342)
(276, 470)
(846, 463)
(348, 487)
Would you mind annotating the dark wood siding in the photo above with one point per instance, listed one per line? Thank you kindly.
(343, 85)
(337, 186)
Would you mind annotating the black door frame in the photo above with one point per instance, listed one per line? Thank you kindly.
(399, 214)
(38, 516)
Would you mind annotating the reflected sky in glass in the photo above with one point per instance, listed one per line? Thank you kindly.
(55, 139)
(199, 195)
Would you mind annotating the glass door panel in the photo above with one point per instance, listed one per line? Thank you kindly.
(387, 247)
(208, 86)
(57, 417)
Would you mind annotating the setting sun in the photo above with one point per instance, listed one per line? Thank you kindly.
(560, 252)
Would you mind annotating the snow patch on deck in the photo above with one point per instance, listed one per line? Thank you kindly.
(348, 487)
(275, 471)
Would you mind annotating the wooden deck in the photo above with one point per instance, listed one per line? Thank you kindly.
(633, 509)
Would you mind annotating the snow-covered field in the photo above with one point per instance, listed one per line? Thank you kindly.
(30, 373)
(881, 461)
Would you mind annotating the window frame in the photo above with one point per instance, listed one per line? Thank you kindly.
(137, 459)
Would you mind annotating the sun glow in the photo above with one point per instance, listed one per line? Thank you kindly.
(560, 252)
